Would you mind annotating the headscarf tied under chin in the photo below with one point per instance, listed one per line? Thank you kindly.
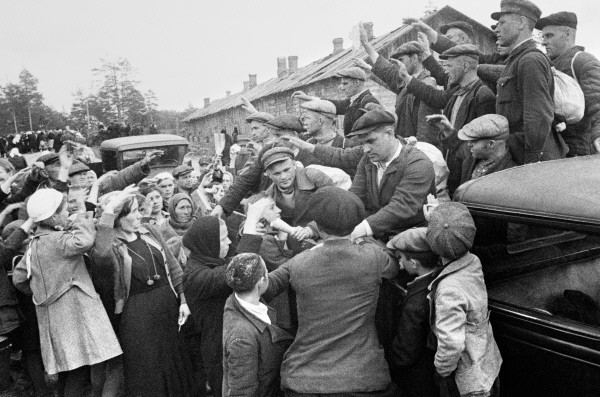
(180, 227)
(204, 241)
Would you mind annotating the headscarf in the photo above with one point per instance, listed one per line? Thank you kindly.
(204, 242)
(180, 227)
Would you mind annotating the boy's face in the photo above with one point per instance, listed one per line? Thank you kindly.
(409, 265)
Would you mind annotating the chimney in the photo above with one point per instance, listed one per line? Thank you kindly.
(281, 67)
(369, 28)
(292, 63)
(206, 102)
(227, 93)
(252, 80)
(246, 85)
(338, 45)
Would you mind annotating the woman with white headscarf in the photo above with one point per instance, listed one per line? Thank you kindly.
(74, 328)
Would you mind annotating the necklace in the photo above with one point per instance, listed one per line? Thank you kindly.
(156, 276)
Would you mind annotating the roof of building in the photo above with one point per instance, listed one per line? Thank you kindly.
(321, 69)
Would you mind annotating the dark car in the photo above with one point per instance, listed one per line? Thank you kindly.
(538, 238)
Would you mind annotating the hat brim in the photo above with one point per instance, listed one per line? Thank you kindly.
(364, 131)
(349, 77)
(464, 137)
(496, 15)
(278, 160)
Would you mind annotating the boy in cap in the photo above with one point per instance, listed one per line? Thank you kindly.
(183, 179)
(559, 32)
(352, 86)
(410, 110)
(467, 359)
(411, 361)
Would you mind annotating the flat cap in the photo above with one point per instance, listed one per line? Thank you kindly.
(563, 18)
(411, 240)
(77, 168)
(286, 122)
(182, 170)
(374, 117)
(49, 158)
(489, 126)
(276, 155)
(451, 230)
(469, 50)
(320, 106)
(412, 47)
(261, 117)
(336, 211)
(462, 25)
(520, 7)
(353, 73)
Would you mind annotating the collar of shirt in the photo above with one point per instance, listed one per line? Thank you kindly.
(353, 98)
(383, 166)
(421, 276)
(260, 311)
(520, 44)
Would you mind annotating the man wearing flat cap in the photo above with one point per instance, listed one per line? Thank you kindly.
(352, 86)
(558, 36)
(465, 99)
(183, 179)
(411, 111)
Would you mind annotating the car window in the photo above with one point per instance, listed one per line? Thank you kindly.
(549, 272)
(172, 156)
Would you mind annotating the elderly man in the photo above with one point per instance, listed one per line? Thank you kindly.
(466, 99)
(336, 350)
(183, 179)
(411, 112)
(259, 131)
(558, 36)
(352, 86)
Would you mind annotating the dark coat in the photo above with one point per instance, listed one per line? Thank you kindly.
(252, 353)
(579, 137)
(526, 99)
(410, 110)
(10, 316)
(469, 164)
(352, 111)
(339, 142)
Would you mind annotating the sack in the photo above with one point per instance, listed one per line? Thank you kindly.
(569, 102)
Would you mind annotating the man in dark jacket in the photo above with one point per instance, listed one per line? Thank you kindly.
(558, 36)
(352, 86)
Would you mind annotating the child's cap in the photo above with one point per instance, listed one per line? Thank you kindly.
(451, 230)
(411, 240)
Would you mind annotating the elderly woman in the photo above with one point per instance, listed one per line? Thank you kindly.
(181, 215)
(253, 346)
(134, 265)
(74, 328)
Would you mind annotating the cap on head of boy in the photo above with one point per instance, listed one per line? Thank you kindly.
(411, 246)
(451, 230)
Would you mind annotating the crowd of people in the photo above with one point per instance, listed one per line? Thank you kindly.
(135, 284)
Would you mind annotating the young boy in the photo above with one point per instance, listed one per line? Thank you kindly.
(411, 361)
(467, 359)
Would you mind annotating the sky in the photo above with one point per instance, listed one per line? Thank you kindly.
(189, 50)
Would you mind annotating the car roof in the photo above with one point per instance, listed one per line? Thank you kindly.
(558, 190)
(142, 141)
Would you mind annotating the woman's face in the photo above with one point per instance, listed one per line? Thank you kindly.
(131, 222)
(219, 193)
(166, 187)
(156, 201)
(4, 175)
(224, 240)
(183, 211)
(227, 180)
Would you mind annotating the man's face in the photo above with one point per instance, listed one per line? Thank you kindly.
(458, 36)
(349, 87)
(508, 29)
(556, 41)
(410, 61)
(283, 174)
(185, 181)
(311, 122)
(80, 179)
(259, 131)
(378, 144)
(75, 202)
(480, 149)
(455, 68)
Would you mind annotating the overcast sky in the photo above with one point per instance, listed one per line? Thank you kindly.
(188, 50)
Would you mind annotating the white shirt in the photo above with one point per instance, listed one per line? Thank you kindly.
(260, 311)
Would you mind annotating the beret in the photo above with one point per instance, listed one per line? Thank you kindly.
(352, 73)
(286, 122)
(469, 50)
(563, 18)
(276, 155)
(77, 168)
(261, 117)
(373, 118)
(182, 170)
(521, 7)
(49, 158)
(462, 25)
(320, 106)
(412, 47)
(489, 126)
(451, 230)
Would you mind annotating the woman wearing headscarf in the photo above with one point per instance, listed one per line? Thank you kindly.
(132, 265)
(182, 212)
(75, 331)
